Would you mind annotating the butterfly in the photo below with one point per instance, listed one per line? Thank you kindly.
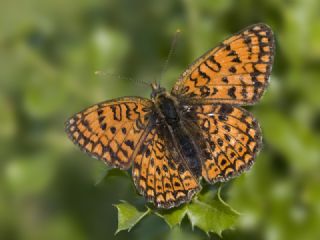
(196, 131)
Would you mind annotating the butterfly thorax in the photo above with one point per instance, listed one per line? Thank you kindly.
(167, 108)
(166, 105)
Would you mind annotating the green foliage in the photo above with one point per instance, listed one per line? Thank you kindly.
(207, 213)
(173, 217)
(50, 51)
(128, 216)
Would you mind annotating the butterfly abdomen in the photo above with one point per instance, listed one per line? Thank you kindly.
(188, 148)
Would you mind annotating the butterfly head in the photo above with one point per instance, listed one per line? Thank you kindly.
(156, 90)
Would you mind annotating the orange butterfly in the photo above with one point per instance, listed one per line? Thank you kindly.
(196, 130)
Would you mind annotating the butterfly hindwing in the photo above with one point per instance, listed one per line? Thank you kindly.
(161, 175)
(232, 137)
(236, 72)
(111, 130)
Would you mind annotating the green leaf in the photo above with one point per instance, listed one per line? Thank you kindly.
(207, 211)
(210, 214)
(211, 217)
(174, 216)
(128, 216)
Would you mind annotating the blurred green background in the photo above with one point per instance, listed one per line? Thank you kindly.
(49, 52)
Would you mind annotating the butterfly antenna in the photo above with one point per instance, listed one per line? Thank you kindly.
(141, 82)
(171, 52)
(102, 73)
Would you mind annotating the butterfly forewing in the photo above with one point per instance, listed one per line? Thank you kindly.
(236, 72)
(112, 130)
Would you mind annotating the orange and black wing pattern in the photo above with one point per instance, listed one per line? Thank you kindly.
(232, 137)
(111, 130)
(160, 174)
(199, 130)
(235, 72)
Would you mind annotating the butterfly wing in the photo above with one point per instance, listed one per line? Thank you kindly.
(112, 130)
(235, 72)
(210, 90)
(160, 174)
(232, 139)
